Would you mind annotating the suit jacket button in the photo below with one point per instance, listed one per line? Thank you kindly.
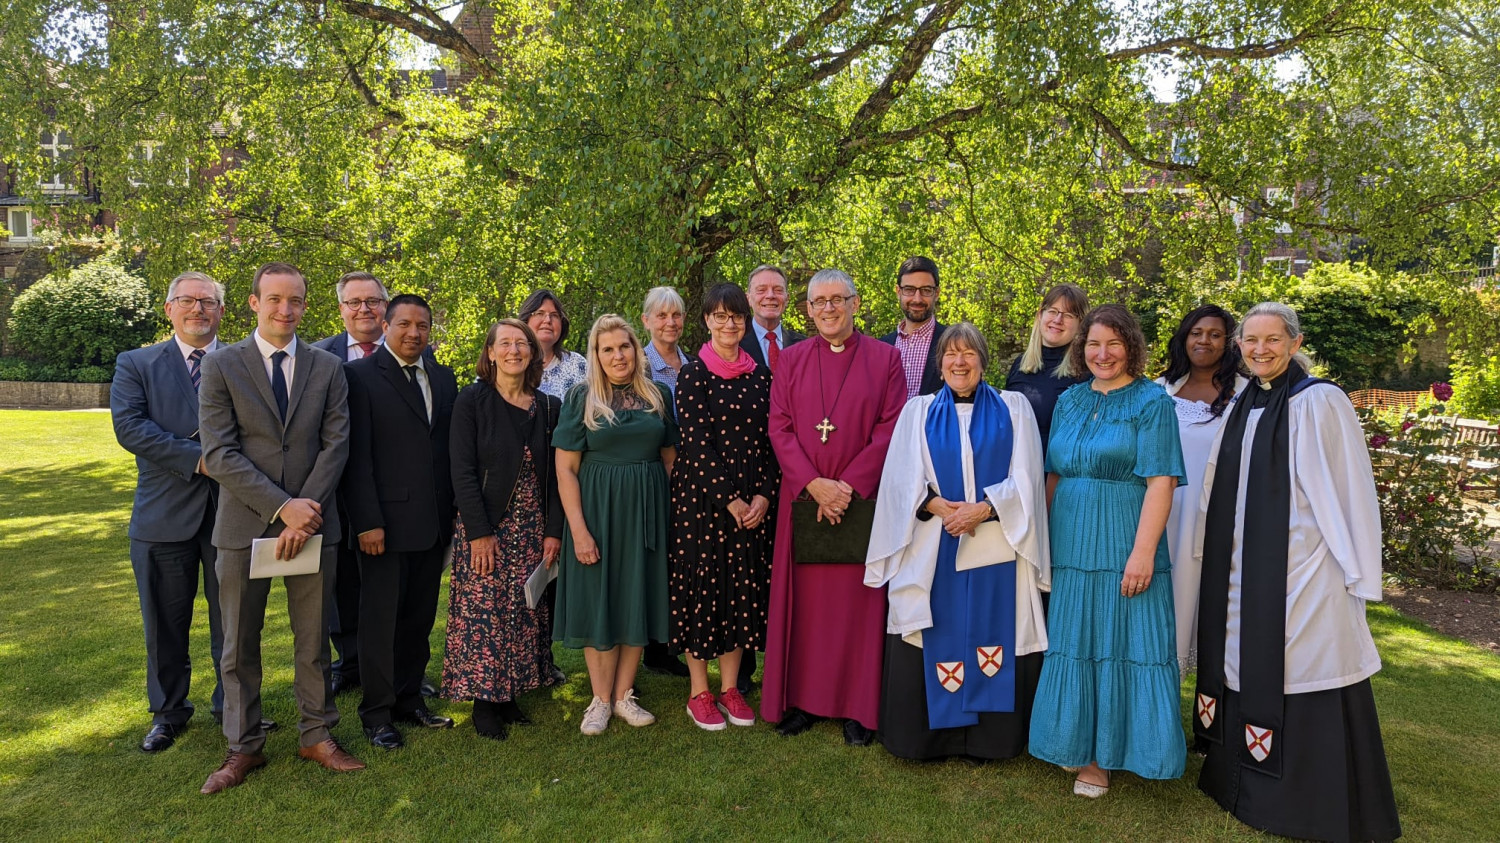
(285, 448)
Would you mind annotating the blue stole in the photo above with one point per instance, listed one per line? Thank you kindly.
(969, 652)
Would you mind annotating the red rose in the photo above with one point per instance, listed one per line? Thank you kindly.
(1431, 498)
(1442, 391)
(1379, 440)
(1407, 425)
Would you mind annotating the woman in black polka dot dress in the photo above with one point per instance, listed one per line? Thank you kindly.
(723, 510)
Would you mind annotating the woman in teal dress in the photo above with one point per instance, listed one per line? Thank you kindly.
(615, 441)
(1109, 685)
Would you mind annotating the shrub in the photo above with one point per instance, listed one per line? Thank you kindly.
(83, 318)
(1476, 388)
(1434, 533)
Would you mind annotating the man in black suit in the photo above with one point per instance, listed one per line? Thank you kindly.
(362, 304)
(768, 335)
(154, 404)
(398, 495)
(917, 335)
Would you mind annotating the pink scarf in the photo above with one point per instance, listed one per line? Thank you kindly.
(742, 365)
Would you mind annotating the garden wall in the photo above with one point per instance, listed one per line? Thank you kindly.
(31, 395)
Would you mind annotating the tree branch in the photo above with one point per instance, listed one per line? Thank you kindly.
(445, 36)
(1191, 46)
(918, 47)
(815, 27)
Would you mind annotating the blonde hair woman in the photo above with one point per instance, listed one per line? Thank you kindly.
(1043, 371)
(615, 441)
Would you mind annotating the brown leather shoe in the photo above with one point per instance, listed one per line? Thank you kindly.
(331, 755)
(236, 766)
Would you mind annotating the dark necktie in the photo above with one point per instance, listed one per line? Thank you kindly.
(773, 353)
(411, 376)
(278, 382)
(195, 367)
(366, 349)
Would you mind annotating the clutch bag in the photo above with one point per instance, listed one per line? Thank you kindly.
(817, 542)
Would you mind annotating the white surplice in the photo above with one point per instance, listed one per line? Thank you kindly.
(904, 551)
(1334, 546)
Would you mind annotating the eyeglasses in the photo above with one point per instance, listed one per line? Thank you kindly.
(368, 304)
(506, 346)
(831, 301)
(924, 292)
(1054, 313)
(188, 303)
(720, 319)
(545, 316)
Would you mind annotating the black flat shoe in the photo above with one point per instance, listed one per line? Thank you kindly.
(512, 715)
(343, 684)
(794, 722)
(161, 736)
(423, 717)
(668, 665)
(385, 736)
(428, 689)
(857, 735)
(268, 725)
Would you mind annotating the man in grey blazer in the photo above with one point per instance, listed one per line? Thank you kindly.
(274, 419)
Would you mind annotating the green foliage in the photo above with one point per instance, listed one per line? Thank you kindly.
(1476, 388)
(1435, 532)
(21, 369)
(84, 317)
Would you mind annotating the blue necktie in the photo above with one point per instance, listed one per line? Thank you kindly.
(195, 367)
(278, 382)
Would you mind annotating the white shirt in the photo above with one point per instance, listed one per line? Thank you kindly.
(760, 336)
(187, 350)
(1333, 553)
(422, 382)
(903, 551)
(287, 367)
(353, 352)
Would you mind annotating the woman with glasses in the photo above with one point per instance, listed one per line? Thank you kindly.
(1042, 372)
(723, 491)
(561, 369)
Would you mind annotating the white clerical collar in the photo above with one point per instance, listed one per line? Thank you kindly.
(266, 349)
(187, 350)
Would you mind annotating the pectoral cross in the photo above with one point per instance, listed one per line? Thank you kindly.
(827, 427)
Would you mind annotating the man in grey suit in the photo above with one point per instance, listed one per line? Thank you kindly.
(362, 303)
(154, 404)
(274, 419)
(767, 336)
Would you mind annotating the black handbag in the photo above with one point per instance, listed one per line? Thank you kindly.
(817, 542)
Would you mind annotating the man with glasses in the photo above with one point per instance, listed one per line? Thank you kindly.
(917, 335)
(362, 301)
(834, 404)
(154, 403)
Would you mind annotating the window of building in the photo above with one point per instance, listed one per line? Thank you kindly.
(18, 222)
(1282, 197)
(57, 148)
(141, 156)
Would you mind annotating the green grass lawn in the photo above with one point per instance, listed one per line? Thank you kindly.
(73, 709)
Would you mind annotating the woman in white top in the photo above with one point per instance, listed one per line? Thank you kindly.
(1290, 544)
(1202, 376)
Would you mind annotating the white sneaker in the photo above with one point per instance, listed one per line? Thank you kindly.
(630, 711)
(595, 717)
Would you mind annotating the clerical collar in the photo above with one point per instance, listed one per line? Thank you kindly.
(839, 349)
(965, 399)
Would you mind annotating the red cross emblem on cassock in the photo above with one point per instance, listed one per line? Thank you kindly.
(990, 659)
(950, 675)
(1258, 741)
(1206, 709)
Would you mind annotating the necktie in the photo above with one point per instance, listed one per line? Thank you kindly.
(773, 353)
(411, 375)
(278, 382)
(195, 367)
(366, 349)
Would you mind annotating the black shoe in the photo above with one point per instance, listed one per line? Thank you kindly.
(428, 689)
(161, 736)
(343, 684)
(794, 722)
(489, 722)
(423, 717)
(512, 715)
(670, 665)
(385, 736)
(857, 735)
(268, 725)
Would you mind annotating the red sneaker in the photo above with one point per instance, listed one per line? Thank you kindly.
(736, 709)
(705, 713)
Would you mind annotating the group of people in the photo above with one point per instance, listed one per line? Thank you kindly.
(950, 569)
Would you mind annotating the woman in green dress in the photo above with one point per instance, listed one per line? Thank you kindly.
(615, 442)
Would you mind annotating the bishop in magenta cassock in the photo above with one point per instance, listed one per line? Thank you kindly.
(834, 404)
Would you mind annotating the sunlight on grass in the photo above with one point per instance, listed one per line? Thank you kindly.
(72, 709)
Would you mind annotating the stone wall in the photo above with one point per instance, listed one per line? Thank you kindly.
(28, 395)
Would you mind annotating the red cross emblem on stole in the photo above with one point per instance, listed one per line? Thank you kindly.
(1206, 709)
(990, 659)
(950, 675)
(1258, 741)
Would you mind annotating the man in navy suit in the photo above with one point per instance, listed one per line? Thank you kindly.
(398, 497)
(154, 403)
(916, 337)
(362, 303)
(768, 335)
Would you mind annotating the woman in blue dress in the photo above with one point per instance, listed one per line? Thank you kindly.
(1110, 677)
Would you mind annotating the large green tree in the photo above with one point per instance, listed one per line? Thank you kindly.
(604, 147)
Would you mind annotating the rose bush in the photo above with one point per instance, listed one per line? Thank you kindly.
(1434, 532)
